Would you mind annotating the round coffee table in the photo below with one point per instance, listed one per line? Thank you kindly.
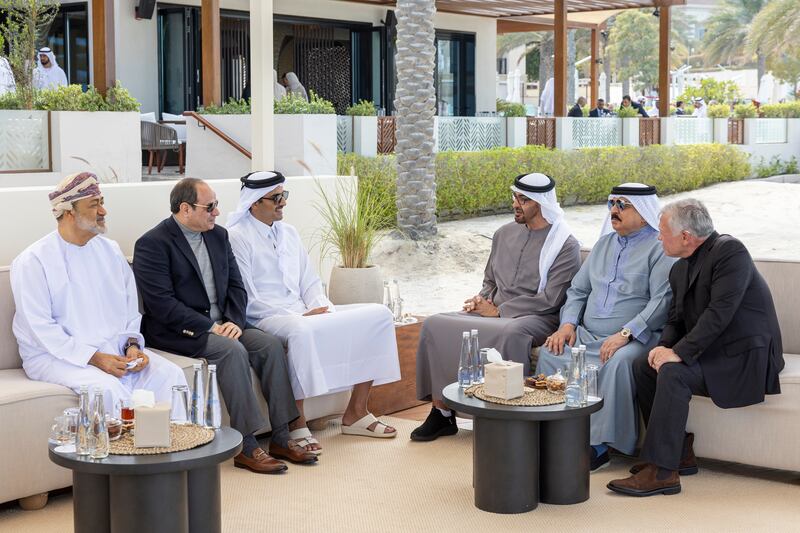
(169, 492)
(524, 455)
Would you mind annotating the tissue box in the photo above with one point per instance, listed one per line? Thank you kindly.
(503, 380)
(152, 426)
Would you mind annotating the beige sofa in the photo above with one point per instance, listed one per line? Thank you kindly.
(27, 409)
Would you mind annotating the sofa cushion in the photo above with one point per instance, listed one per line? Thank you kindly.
(16, 387)
(9, 353)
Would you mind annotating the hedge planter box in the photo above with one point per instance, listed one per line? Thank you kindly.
(305, 145)
(365, 136)
(109, 141)
(516, 132)
(630, 131)
(720, 130)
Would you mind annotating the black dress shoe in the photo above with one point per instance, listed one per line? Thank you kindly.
(435, 426)
(598, 461)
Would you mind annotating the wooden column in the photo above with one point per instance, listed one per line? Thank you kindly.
(103, 60)
(212, 62)
(594, 92)
(560, 60)
(663, 60)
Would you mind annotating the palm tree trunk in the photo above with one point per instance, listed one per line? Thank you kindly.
(415, 105)
(545, 62)
(761, 67)
(571, 82)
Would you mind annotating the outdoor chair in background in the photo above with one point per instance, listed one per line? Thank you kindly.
(160, 138)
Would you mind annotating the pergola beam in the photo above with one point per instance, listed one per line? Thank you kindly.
(594, 92)
(103, 60)
(212, 59)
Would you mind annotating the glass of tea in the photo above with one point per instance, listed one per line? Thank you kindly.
(126, 413)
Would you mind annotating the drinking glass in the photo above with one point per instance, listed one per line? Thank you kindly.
(592, 375)
(179, 412)
(71, 414)
(126, 413)
(59, 431)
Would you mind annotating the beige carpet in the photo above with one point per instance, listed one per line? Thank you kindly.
(370, 485)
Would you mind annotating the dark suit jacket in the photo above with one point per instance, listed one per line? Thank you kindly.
(176, 306)
(598, 113)
(722, 317)
(575, 111)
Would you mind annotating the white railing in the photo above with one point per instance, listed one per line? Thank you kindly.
(596, 132)
(24, 141)
(344, 133)
(469, 134)
(769, 130)
(692, 130)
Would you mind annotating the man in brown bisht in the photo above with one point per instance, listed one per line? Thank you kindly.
(531, 265)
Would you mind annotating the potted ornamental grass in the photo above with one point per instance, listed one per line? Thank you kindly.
(354, 218)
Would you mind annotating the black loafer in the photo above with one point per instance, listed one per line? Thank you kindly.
(435, 426)
(598, 461)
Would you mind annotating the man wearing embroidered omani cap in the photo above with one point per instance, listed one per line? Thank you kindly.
(328, 348)
(525, 282)
(617, 306)
(77, 318)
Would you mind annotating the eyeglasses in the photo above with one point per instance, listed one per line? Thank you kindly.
(620, 204)
(277, 197)
(210, 207)
(520, 198)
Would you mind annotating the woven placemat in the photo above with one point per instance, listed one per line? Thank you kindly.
(530, 398)
(183, 437)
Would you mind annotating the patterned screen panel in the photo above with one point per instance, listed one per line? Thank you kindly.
(736, 130)
(387, 135)
(344, 133)
(649, 131)
(596, 132)
(470, 134)
(769, 130)
(24, 141)
(542, 131)
(691, 130)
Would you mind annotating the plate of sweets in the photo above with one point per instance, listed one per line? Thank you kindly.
(538, 381)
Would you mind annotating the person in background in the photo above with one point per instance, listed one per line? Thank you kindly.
(679, 110)
(294, 86)
(577, 110)
(626, 102)
(48, 74)
(600, 111)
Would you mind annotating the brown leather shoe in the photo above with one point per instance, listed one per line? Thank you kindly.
(294, 453)
(688, 464)
(646, 483)
(260, 463)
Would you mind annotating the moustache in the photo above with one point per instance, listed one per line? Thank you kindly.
(616, 217)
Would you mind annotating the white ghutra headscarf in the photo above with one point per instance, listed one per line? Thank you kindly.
(541, 189)
(255, 186)
(644, 199)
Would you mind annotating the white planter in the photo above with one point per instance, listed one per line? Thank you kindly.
(630, 131)
(564, 133)
(209, 157)
(109, 141)
(365, 136)
(720, 130)
(305, 145)
(355, 285)
(516, 131)
(667, 131)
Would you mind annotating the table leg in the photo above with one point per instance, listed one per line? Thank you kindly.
(506, 465)
(90, 502)
(565, 461)
(156, 503)
(205, 500)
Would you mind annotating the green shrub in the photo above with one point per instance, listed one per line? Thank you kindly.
(719, 111)
(745, 111)
(475, 183)
(364, 108)
(231, 107)
(510, 109)
(785, 110)
(294, 104)
(776, 167)
(627, 112)
(10, 100)
(119, 99)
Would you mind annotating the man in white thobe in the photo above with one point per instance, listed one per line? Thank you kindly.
(700, 108)
(7, 83)
(48, 75)
(77, 318)
(329, 349)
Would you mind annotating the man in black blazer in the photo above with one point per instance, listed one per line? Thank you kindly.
(600, 111)
(721, 340)
(576, 111)
(194, 305)
(627, 102)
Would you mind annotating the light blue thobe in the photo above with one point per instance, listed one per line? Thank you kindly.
(622, 284)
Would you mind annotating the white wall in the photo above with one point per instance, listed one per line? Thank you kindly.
(135, 208)
(137, 41)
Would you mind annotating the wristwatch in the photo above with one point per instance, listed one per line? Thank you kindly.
(626, 333)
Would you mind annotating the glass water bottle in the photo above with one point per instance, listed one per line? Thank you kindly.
(84, 429)
(99, 438)
(465, 362)
(213, 411)
(574, 391)
(477, 363)
(198, 397)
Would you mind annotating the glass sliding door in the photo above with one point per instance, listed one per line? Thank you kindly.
(179, 59)
(69, 39)
(368, 66)
(455, 74)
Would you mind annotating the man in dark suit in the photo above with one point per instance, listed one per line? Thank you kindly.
(600, 111)
(721, 340)
(576, 111)
(194, 305)
(627, 102)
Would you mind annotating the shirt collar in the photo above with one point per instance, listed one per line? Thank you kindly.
(636, 235)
